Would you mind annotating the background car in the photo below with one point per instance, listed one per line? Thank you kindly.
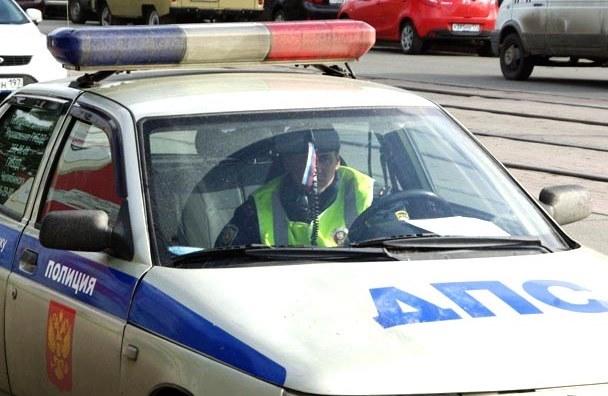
(282, 10)
(24, 60)
(538, 35)
(415, 24)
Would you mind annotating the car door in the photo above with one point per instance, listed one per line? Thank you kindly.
(575, 27)
(366, 11)
(531, 16)
(27, 125)
(68, 310)
(387, 18)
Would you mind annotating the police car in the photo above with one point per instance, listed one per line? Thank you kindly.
(243, 228)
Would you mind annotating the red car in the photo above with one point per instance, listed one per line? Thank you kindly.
(416, 23)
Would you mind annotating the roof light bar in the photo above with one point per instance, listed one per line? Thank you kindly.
(134, 47)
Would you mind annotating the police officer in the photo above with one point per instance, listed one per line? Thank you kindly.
(286, 212)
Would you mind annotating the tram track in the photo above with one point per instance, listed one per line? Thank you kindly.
(556, 145)
(539, 141)
(489, 93)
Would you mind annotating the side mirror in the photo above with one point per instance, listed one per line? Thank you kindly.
(35, 15)
(566, 203)
(86, 231)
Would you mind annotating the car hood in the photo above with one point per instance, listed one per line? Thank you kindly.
(24, 39)
(416, 327)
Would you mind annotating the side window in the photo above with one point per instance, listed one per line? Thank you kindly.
(84, 176)
(24, 134)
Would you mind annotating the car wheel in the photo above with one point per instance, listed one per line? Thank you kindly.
(411, 43)
(279, 16)
(151, 17)
(105, 16)
(75, 12)
(514, 63)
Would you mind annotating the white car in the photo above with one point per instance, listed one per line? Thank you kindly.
(24, 58)
(130, 206)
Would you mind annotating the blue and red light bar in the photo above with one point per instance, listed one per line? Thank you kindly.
(133, 47)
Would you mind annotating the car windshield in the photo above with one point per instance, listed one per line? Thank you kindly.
(327, 178)
(10, 13)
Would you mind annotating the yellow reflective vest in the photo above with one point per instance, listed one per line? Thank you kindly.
(354, 195)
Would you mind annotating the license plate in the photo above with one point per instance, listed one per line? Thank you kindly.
(10, 84)
(465, 27)
(336, 1)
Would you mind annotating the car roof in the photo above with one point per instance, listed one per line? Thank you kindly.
(147, 94)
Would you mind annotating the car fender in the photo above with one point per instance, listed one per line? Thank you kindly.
(509, 27)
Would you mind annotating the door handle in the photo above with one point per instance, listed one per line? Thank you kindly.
(538, 4)
(28, 262)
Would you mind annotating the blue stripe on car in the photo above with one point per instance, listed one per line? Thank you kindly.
(113, 289)
(9, 238)
(159, 313)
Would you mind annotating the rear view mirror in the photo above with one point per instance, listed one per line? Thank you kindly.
(35, 15)
(85, 231)
(566, 203)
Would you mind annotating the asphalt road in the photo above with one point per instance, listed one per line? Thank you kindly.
(549, 130)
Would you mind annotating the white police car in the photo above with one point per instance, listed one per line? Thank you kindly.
(390, 254)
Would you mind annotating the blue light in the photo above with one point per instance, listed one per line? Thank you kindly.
(123, 46)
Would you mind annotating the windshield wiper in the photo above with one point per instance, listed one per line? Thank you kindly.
(218, 257)
(434, 242)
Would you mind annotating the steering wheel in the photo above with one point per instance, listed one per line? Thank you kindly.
(387, 216)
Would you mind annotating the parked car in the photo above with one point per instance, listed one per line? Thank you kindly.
(536, 34)
(417, 23)
(154, 12)
(283, 10)
(24, 58)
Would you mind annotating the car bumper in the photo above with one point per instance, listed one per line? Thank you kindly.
(449, 35)
(315, 11)
(41, 67)
(443, 26)
(4, 90)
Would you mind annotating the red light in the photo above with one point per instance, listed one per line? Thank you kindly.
(314, 1)
(322, 40)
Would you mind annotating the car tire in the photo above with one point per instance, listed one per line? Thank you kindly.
(76, 12)
(279, 16)
(105, 15)
(151, 17)
(409, 40)
(515, 64)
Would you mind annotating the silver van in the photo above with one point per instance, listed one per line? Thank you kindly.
(550, 33)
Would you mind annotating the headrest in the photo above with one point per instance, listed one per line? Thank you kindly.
(296, 142)
(210, 142)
